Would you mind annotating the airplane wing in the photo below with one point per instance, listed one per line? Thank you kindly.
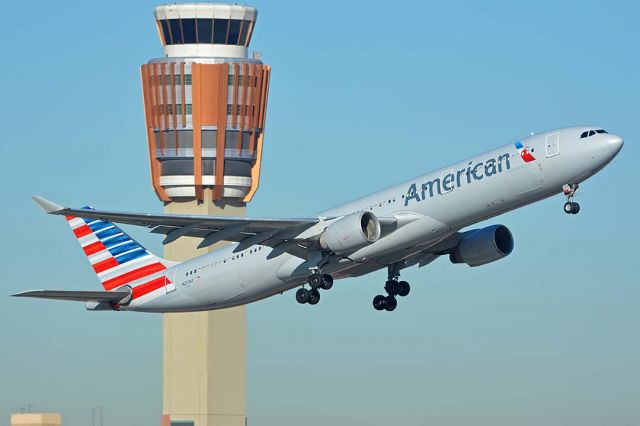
(285, 235)
(77, 296)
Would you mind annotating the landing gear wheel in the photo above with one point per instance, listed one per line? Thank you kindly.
(315, 280)
(403, 288)
(390, 303)
(303, 295)
(327, 281)
(391, 287)
(571, 207)
(568, 207)
(379, 302)
(576, 208)
(314, 297)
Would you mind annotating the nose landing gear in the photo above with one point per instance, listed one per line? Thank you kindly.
(571, 207)
(316, 281)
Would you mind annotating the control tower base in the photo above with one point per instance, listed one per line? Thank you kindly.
(204, 352)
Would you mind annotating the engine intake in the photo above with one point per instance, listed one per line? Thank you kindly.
(350, 233)
(483, 246)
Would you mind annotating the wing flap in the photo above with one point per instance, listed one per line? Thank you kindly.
(76, 296)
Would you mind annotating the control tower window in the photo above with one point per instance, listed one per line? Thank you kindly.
(250, 32)
(189, 31)
(220, 30)
(176, 31)
(205, 30)
(165, 32)
(244, 31)
(234, 31)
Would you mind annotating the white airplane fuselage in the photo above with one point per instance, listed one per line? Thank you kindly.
(428, 209)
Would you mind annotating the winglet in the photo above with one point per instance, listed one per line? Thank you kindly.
(46, 205)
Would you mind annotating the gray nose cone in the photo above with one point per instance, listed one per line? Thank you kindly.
(614, 144)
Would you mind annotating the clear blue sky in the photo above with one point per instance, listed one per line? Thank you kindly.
(362, 95)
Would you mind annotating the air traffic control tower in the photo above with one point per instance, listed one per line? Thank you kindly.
(204, 103)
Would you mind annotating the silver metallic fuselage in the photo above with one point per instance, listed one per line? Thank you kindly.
(433, 206)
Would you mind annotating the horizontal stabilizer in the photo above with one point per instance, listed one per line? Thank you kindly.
(46, 205)
(77, 296)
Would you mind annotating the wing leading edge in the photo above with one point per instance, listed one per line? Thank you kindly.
(268, 231)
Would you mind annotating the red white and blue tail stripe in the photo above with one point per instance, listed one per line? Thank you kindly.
(118, 259)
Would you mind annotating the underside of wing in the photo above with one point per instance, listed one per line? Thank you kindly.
(77, 296)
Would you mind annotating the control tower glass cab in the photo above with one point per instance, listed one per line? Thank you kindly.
(205, 103)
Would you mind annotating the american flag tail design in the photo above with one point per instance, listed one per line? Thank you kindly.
(118, 259)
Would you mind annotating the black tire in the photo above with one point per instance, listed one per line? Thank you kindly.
(576, 208)
(303, 295)
(390, 303)
(315, 281)
(379, 302)
(568, 207)
(314, 297)
(391, 287)
(403, 288)
(327, 282)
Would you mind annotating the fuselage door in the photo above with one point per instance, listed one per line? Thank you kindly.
(553, 144)
(170, 280)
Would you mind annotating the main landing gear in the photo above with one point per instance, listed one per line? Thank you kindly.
(394, 288)
(571, 207)
(316, 281)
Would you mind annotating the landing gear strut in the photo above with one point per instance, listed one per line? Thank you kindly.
(316, 281)
(394, 288)
(571, 207)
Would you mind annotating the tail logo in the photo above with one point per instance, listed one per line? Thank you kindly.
(524, 153)
(117, 258)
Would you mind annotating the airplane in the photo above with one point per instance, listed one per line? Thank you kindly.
(411, 223)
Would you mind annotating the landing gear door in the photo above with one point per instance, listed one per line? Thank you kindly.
(170, 280)
(553, 144)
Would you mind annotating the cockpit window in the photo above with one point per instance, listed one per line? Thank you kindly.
(589, 133)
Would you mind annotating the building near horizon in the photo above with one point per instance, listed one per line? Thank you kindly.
(36, 419)
(205, 103)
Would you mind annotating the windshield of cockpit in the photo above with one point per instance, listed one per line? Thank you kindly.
(589, 133)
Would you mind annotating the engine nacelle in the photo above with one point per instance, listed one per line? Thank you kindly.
(483, 246)
(351, 232)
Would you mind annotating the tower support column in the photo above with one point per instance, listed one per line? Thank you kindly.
(204, 352)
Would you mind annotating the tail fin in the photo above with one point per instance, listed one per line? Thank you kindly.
(117, 258)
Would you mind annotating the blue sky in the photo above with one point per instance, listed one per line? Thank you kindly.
(362, 95)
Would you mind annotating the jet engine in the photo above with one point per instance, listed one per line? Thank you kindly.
(483, 246)
(351, 232)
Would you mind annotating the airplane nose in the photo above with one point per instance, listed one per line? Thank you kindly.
(615, 143)
(610, 146)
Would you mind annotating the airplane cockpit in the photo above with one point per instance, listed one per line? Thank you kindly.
(589, 133)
